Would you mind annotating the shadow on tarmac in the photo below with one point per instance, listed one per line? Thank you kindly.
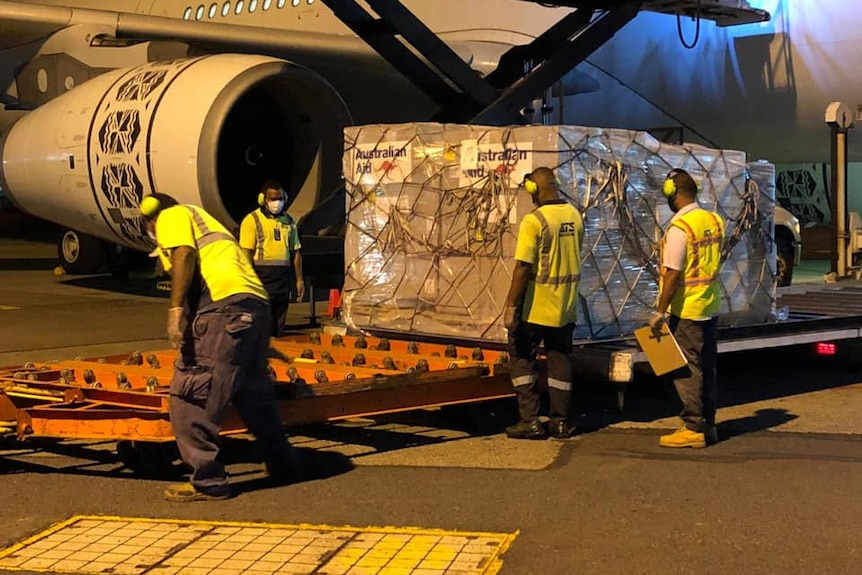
(24, 264)
(164, 464)
(143, 286)
(762, 420)
(743, 378)
(316, 465)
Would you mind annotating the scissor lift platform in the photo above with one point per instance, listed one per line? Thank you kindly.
(318, 378)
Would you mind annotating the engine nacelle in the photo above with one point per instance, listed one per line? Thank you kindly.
(209, 131)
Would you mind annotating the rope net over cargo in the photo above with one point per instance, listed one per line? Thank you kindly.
(433, 213)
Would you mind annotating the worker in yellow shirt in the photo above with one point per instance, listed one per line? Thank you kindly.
(270, 237)
(219, 319)
(541, 305)
(689, 300)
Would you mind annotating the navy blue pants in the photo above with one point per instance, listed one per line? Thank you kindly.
(278, 304)
(223, 359)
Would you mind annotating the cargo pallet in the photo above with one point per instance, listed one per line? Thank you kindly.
(318, 378)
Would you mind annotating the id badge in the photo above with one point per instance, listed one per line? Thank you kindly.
(278, 233)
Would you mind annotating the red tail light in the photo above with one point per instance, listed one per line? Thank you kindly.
(824, 348)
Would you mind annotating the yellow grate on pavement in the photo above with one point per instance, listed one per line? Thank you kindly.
(135, 546)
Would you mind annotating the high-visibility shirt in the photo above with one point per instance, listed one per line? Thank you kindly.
(273, 240)
(550, 239)
(223, 268)
(699, 297)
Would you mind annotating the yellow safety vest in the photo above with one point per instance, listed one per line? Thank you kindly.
(550, 239)
(224, 268)
(700, 296)
(273, 240)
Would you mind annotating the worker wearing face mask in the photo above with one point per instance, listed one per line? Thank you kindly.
(270, 237)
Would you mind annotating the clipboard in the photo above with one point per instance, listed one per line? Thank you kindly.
(661, 349)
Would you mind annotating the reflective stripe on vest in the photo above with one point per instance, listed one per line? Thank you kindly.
(695, 275)
(258, 239)
(259, 257)
(543, 276)
(207, 236)
(699, 296)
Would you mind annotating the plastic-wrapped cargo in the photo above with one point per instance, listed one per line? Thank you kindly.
(433, 213)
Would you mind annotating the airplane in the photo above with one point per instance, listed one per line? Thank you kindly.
(203, 99)
(107, 101)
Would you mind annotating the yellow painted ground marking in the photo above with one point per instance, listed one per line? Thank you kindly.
(138, 546)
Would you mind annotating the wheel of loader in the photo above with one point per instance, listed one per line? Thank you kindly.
(150, 459)
(784, 258)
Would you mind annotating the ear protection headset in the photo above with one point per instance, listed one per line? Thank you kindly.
(150, 206)
(669, 188)
(261, 198)
(532, 187)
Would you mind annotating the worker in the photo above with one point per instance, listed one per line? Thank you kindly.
(689, 301)
(270, 237)
(541, 305)
(219, 320)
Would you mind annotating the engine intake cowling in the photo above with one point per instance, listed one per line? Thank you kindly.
(209, 131)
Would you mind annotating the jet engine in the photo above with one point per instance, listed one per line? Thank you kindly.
(208, 131)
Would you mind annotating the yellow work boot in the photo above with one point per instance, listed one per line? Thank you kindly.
(683, 438)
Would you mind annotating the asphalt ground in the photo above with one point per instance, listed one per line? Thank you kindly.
(778, 494)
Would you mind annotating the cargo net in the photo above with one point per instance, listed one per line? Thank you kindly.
(433, 212)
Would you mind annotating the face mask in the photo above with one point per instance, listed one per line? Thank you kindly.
(671, 206)
(275, 207)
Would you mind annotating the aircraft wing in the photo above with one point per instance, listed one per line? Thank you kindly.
(21, 23)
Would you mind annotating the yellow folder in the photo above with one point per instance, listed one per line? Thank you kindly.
(661, 349)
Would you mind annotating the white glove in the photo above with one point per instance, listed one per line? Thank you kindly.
(176, 326)
(656, 319)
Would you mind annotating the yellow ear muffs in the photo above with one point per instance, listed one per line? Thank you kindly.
(261, 199)
(531, 186)
(150, 206)
(669, 188)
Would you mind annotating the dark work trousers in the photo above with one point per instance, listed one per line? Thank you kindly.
(223, 359)
(523, 346)
(278, 304)
(697, 384)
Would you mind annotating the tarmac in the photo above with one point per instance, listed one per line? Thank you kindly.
(778, 494)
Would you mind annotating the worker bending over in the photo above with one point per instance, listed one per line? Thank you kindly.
(689, 300)
(270, 237)
(542, 305)
(219, 319)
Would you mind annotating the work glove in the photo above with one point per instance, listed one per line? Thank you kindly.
(176, 326)
(510, 318)
(656, 320)
(300, 290)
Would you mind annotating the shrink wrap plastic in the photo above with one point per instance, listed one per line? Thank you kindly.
(433, 213)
